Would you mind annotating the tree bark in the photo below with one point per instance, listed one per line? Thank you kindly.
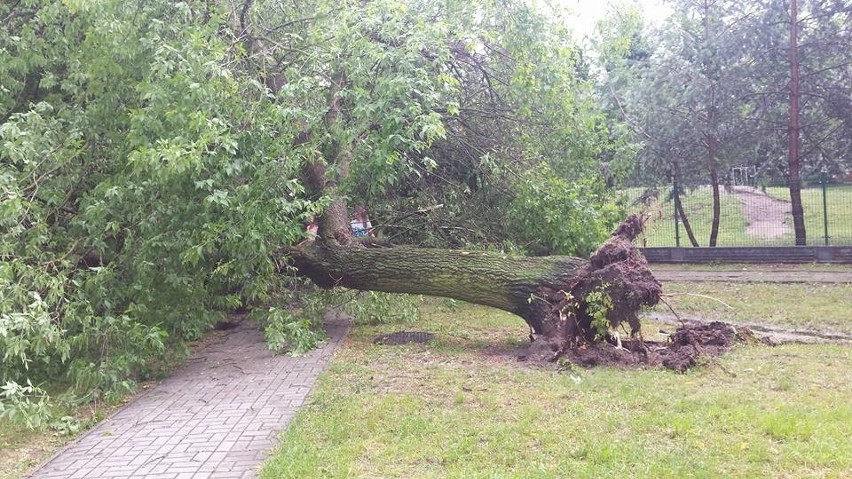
(547, 292)
(795, 181)
(504, 282)
(717, 207)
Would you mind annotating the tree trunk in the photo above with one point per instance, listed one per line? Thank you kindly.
(685, 220)
(717, 209)
(547, 292)
(680, 209)
(491, 279)
(793, 148)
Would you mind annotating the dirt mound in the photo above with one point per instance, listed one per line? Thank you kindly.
(690, 344)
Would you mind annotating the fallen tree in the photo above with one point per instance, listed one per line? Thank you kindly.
(562, 299)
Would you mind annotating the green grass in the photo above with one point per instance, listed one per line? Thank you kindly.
(463, 407)
(698, 203)
(839, 202)
(660, 231)
(820, 306)
(22, 449)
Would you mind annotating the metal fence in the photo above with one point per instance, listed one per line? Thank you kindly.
(750, 214)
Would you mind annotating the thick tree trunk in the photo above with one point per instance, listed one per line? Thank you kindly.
(549, 293)
(508, 283)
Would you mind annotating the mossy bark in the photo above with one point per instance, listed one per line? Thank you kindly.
(519, 285)
(549, 293)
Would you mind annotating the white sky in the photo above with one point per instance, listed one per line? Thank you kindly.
(588, 12)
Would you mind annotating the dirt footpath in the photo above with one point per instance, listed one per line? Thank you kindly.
(766, 215)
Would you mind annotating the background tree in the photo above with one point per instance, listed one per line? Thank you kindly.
(682, 100)
(796, 102)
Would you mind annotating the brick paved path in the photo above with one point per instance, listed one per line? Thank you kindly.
(217, 417)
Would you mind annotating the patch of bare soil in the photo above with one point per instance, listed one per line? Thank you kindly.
(689, 345)
(767, 333)
(766, 215)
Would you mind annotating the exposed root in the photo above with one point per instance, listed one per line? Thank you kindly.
(618, 270)
(673, 311)
(690, 345)
(621, 272)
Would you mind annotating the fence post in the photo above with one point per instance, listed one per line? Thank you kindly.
(823, 179)
(676, 212)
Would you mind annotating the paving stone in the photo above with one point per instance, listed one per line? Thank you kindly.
(217, 417)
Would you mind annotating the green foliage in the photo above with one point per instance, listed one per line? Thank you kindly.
(514, 117)
(292, 331)
(67, 426)
(152, 159)
(558, 216)
(295, 329)
(146, 180)
(372, 307)
(598, 305)
(26, 404)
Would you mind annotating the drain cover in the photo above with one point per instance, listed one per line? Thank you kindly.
(403, 337)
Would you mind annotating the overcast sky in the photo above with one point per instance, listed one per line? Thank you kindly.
(588, 12)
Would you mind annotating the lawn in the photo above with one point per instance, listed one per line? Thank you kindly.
(660, 230)
(22, 449)
(462, 406)
(839, 202)
(821, 307)
(698, 203)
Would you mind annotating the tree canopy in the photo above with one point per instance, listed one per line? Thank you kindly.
(154, 157)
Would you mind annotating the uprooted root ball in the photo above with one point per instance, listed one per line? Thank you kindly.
(616, 270)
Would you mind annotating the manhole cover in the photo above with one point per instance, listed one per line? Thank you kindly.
(403, 337)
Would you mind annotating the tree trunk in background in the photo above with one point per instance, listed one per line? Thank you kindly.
(714, 226)
(679, 206)
(793, 148)
(717, 209)
(685, 220)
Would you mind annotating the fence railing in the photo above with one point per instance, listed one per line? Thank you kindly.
(748, 215)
